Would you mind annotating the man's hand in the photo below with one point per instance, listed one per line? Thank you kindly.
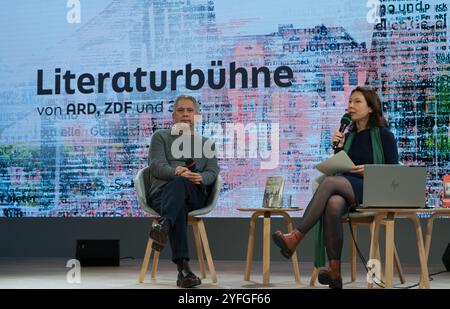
(358, 169)
(194, 177)
(180, 170)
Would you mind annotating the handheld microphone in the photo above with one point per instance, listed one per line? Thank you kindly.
(345, 122)
(191, 165)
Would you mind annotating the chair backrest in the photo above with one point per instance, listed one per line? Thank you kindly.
(142, 182)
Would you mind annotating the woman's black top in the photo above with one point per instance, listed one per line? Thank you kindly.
(361, 153)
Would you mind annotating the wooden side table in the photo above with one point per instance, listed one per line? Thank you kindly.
(389, 215)
(267, 213)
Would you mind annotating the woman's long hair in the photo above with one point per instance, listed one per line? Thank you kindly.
(376, 118)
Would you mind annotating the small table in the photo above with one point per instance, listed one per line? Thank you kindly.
(389, 215)
(267, 213)
(436, 213)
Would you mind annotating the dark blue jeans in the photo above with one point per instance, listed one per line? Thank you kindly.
(173, 202)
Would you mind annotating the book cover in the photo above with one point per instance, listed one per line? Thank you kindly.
(273, 192)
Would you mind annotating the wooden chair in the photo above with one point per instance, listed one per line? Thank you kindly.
(361, 219)
(357, 219)
(142, 181)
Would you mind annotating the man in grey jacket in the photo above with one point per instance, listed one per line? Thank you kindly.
(183, 167)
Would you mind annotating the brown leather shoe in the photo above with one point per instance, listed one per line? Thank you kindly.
(287, 242)
(332, 275)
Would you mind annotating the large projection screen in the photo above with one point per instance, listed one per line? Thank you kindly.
(84, 84)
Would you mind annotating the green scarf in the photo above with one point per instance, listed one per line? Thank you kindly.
(378, 158)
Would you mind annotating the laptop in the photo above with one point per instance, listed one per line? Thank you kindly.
(394, 186)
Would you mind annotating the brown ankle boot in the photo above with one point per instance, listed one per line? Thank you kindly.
(332, 275)
(287, 242)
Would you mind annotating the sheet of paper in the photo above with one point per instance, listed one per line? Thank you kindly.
(339, 163)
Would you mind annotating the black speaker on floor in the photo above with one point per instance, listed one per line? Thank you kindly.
(446, 258)
(98, 252)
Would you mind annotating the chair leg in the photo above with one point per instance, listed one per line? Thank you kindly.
(314, 275)
(374, 235)
(198, 247)
(205, 245)
(266, 249)
(155, 263)
(424, 276)
(398, 266)
(250, 246)
(353, 252)
(389, 263)
(148, 252)
(378, 257)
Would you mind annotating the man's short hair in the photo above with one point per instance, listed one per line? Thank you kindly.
(187, 97)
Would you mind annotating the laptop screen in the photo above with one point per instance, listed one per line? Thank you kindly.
(395, 186)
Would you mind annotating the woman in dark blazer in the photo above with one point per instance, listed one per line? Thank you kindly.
(368, 141)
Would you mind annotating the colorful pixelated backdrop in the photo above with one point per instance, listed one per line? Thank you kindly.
(71, 143)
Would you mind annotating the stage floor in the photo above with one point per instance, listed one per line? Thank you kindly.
(41, 273)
